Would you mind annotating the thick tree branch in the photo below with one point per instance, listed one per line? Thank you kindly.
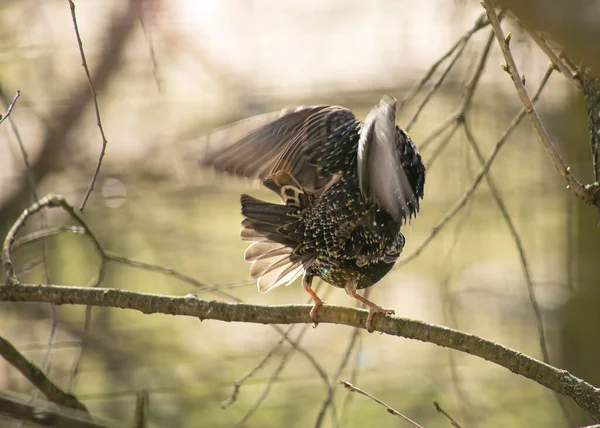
(561, 381)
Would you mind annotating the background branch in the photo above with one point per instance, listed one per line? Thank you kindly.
(37, 377)
(540, 130)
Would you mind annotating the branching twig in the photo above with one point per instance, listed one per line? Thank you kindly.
(96, 108)
(50, 201)
(480, 23)
(511, 68)
(272, 379)
(554, 58)
(238, 383)
(38, 378)
(561, 381)
(389, 409)
(461, 202)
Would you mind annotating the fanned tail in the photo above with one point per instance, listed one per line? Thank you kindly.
(275, 231)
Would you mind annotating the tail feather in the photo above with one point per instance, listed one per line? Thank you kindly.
(275, 231)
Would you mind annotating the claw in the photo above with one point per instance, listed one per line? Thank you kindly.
(372, 311)
(313, 312)
(306, 281)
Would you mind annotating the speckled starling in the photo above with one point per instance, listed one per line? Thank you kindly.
(346, 188)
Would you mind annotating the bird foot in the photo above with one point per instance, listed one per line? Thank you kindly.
(313, 311)
(372, 311)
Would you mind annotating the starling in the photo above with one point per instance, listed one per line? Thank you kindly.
(346, 189)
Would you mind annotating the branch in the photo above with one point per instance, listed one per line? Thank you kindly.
(44, 415)
(96, 108)
(554, 58)
(462, 201)
(389, 409)
(511, 68)
(37, 377)
(10, 107)
(561, 381)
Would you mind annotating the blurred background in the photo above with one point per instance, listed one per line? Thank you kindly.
(169, 73)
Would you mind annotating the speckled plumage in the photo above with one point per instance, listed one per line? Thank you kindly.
(346, 188)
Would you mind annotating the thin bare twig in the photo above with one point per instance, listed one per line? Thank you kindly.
(389, 409)
(96, 108)
(38, 378)
(554, 58)
(10, 107)
(461, 202)
(517, 240)
(238, 383)
(443, 412)
(353, 379)
(272, 379)
(466, 100)
(480, 23)
(329, 397)
(50, 201)
(434, 88)
(511, 68)
(148, 38)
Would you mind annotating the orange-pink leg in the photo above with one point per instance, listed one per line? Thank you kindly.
(373, 308)
(306, 282)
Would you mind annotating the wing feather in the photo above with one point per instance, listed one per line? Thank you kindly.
(380, 174)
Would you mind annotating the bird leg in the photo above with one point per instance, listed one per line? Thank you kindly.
(306, 282)
(373, 308)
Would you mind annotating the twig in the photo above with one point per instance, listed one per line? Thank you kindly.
(38, 378)
(96, 108)
(540, 130)
(238, 383)
(440, 148)
(434, 88)
(480, 23)
(50, 201)
(520, 249)
(142, 403)
(466, 100)
(584, 394)
(272, 379)
(148, 38)
(353, 379)
(128, 261)
(10, 107)
(460, 203)
(554, 58)
(45, 414)
(518, 243)
(389, 409)
(443, 412)
(344, 361)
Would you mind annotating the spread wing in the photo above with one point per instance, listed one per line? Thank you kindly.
(380, 174)
(291, 142)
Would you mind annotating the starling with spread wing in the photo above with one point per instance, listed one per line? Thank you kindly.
(346, 189)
